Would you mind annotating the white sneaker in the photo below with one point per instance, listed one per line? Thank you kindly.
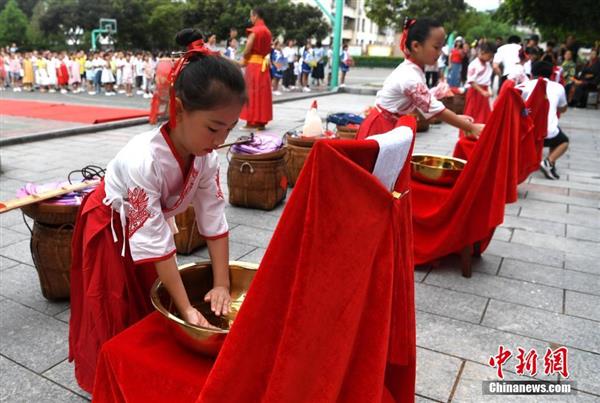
(305, 89)
(51, 90)
(91, 92)
(285, 89)
(546, 169)
(63, 91)
(139, 92)
(276, 93)
(121, 91)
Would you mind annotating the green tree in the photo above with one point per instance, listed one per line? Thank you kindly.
(13, 24)
(391, 13)
(555, 18)
(164, 22)
(476, 24)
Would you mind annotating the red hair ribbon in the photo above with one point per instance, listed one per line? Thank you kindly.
(408, 22)
(194, 48)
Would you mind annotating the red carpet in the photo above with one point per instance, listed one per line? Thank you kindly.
(67, 112)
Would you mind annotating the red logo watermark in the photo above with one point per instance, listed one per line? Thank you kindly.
(555, 361)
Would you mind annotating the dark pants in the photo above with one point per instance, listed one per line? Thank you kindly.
(431, 78)
(581, 94)
(289, 78)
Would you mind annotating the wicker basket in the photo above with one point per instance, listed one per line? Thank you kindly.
(257, 181)
(422, 123)
(51, 252)
(455, 103)
(347, 132)
(298, 149)
(51, 214)
(188, 239)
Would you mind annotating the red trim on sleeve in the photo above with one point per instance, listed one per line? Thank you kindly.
(156, 259)
(212, 238)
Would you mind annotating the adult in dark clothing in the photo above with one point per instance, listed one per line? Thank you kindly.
(588, 80)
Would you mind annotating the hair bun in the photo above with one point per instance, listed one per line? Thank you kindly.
(187, 36)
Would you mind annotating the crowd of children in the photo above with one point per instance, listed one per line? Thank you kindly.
(129, 73)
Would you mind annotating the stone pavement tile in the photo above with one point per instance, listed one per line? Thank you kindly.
(583, 305)
(526, 253)
(251, 236)
(500, 288)
(255, 256)
(512, 209)
(532, 225)
(583, 194)
(566, 184)
(503, 234)
(421, 272)
(574, 216)
(548, 326)
(551, 276)
(572, 200)
(456, 305)
(582, 263)
(578, 232)
(11, 218)
(543, 188)
(8, 236)
(555, 208)
(584, 179)
(22, 285)
(6, 263)
(64, 374)
(22, 385)
(467, 340)
(436, 374)
(421, 399)
(18, 251)
(584, 368)
(64, 316)
(585, 248)
(252, 217)
(469, 388)
(31, 338)
(487, 263)
(236, 250)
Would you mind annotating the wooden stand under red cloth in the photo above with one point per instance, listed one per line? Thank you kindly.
(446, 220)
(330, 319)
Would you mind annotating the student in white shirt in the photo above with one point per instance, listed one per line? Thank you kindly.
(405, 91)
(507, 58)
(556, 140)
(479, 81)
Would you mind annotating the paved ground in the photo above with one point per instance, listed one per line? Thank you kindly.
(537, 285)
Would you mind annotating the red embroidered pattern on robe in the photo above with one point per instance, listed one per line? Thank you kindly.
(219, 191)
(188, 186)
(138, 212)
(420, 96)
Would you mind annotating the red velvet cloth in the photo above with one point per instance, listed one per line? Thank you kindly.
(445, 220)
(258, 111)
(145, 364)
(330, 315)
(108, 292)
(376, 122)
(530, 154)
(476, 106)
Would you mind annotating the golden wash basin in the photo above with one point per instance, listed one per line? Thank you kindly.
(436, 169)
(197, 280)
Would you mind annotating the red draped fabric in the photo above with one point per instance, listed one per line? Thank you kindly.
(258, 111)
(329, 315)
(108, 292)
(377, 122)
(445, 220)
(476, 106)
(537, 106)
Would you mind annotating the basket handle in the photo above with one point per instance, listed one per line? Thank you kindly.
(244, 164)
(26, 223)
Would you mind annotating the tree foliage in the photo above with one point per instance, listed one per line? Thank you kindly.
(152, 24)
(13, 24)
(393, 12)
(555, 18)
(476, 24)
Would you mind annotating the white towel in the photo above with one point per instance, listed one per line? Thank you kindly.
(393, 150)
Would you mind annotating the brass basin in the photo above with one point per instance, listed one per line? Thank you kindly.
(197, 280)
(436, 169)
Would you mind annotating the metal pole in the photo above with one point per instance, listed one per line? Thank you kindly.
(337, 43)
(325, 11)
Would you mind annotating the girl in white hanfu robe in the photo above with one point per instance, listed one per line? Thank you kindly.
(124, 232)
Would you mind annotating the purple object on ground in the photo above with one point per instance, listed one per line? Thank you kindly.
(263, 143)
(71, 199)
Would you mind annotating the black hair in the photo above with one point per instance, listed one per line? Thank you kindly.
(259, 12)
(419, 31)
(207, 82)
(541, 69)
(532, 51)
(535, 38)
(487, 47)
(514, 39)
(547, 58)
(550, 44)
